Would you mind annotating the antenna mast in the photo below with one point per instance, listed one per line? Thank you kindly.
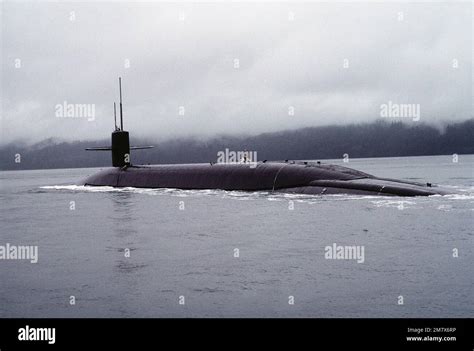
(115, 116)
(121, 114)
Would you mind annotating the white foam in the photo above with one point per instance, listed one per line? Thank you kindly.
(400, 204)
(459, 196)
(99, 189)
(380, 201)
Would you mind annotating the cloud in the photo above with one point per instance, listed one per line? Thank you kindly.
(234, 68)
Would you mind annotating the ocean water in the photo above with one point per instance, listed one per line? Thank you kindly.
(173, 253)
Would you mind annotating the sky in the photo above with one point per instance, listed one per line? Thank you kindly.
(209, 69)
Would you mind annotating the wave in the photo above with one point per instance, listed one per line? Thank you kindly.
(235, 194)
(467, 193)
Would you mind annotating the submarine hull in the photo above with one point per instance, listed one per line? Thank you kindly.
(294, 177)
(291, 177)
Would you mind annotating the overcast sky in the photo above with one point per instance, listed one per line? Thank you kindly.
(238, 68)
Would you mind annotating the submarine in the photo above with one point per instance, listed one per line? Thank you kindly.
(297, 177)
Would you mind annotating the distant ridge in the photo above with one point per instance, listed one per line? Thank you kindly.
(377, 139)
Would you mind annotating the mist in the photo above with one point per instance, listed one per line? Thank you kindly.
(207, 69)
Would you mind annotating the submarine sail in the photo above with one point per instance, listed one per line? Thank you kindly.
(120, 143)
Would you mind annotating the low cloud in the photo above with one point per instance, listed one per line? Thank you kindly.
(241, 68)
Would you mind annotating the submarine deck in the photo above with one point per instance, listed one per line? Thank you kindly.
(291, 177)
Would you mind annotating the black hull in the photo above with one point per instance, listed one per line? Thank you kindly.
(302, 178)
